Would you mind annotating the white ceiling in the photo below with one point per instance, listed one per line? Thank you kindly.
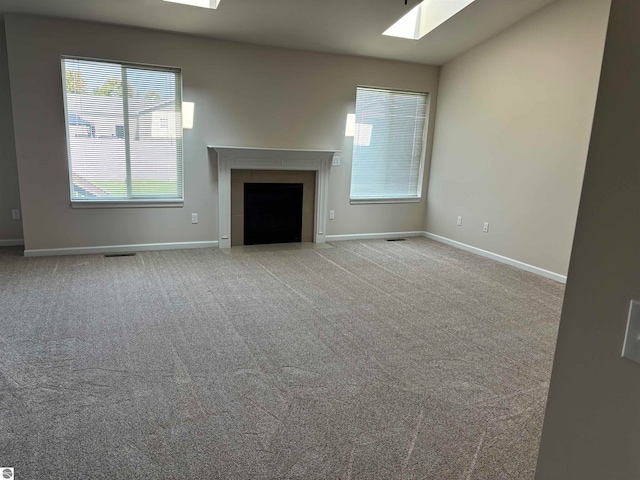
(340, 26)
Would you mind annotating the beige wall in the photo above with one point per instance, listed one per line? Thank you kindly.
(9, 193)
(592, 424)
(245, 96)
(512, 131)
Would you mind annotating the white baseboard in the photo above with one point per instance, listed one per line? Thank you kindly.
(15, 242)
(48, 252)
(356, 236)
(372, 236)
(494, 256)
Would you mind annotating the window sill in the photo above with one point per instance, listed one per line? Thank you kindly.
(362, 201)
(127, 204)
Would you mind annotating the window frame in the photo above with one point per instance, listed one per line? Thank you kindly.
(132, 202)
(423, 154)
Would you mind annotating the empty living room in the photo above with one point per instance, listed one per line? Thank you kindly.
(303, 239)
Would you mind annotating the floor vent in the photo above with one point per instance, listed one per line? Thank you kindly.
(110, 255)
(396, 239)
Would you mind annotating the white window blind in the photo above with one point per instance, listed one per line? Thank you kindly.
(124, 131)
(388, 144)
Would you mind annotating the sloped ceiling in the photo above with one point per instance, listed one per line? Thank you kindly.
(339, 26)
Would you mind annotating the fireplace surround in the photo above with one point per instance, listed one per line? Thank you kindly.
(251, 158)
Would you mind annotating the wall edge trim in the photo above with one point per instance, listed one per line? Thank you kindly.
(12, 242)
(143, 247)
(372, 236)
(500, 258)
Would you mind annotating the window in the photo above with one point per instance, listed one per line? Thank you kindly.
(388, 145)
(124, 132)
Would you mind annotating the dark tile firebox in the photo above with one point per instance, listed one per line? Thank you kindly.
(272, 213)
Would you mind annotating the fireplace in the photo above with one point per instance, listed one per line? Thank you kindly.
(241, 159)
(275, 210)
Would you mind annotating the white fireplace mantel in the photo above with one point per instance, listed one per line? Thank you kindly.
(250, 158)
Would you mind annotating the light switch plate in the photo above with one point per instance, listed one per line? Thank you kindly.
(631, 347)
(336, 161)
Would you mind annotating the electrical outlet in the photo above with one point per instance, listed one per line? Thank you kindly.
(459, 222)
(336, 161)
(485, 228)
(15, 214)
(332, 214)
(194, 218)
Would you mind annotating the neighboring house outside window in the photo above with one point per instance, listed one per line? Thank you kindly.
(388, 146)
(123, 148)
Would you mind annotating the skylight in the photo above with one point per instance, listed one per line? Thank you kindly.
(198, 3)
(425, 17)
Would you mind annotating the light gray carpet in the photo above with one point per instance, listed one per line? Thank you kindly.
(369, 360)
